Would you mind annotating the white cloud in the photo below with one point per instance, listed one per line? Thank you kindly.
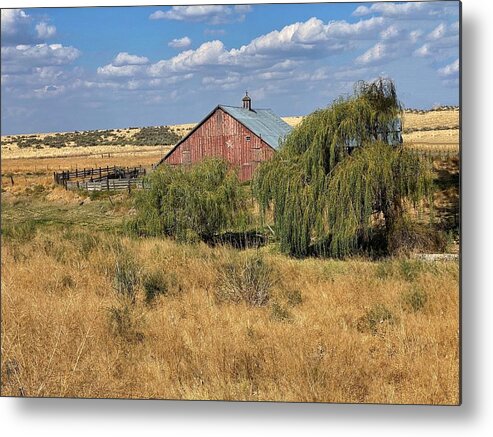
(25, 57)
(124, 58)
(441, 42)
(112, 70)
(409, 10)
(311, 39)
(377, 54)
(45, 31)
(180, 43)
(450, 70)
(12, 19)
(438, 32)
(15, 27)
(213, 14)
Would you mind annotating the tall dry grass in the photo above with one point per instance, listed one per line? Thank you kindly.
(332, 331)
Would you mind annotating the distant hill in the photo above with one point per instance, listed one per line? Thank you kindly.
(437, 126)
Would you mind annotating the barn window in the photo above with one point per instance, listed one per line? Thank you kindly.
(248, 137)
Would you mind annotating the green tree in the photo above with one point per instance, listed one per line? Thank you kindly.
(191, 203)
(341, 170)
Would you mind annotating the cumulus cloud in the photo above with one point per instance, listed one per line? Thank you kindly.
(124, 58)
(112, 70)
(212, 14)
(408, 10)
(180, 43)
(31, 67)
(450, 74)
(45, 31)
(441, 42)
(23, 57)
(304, 40)
(450, 70)
(377, 54)
(15, 26)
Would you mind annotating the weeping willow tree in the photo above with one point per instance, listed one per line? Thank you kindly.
(191, 203)
(340, 170)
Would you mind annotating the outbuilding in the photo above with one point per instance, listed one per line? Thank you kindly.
(243, 136)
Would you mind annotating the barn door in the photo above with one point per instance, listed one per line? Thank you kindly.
(230, 151)
(185, 153)
(185, 157)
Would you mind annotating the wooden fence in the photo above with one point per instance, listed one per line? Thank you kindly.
(102, 178)
(107, 184)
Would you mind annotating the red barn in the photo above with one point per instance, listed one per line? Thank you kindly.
(242, 136)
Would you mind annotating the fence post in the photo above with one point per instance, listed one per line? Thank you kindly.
(107, 184)
(129, 189)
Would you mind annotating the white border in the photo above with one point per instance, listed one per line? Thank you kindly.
(135, 418)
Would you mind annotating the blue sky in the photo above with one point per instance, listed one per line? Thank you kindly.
(69, 69)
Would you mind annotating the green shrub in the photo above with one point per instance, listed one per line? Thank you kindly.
(374, 318)
(124, 323)
(293, 296)
(384, 270)
(67, 281)
(249, 279)
(415, 299)
(126, 277)
(21, 232)
(158, 283)
(280, 313)
(191, 203)
(155, 136)
(83, 241)
(410, 269)
(406, 237)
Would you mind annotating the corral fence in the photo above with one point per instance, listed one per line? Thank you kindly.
(436, 152)
(102, 178)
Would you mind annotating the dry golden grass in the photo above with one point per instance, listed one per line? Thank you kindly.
(433, 138)
(293, 121)
(97, 152)
(28, 172)
(66, 331)
(431, 119)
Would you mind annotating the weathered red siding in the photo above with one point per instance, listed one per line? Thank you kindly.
(223, 136)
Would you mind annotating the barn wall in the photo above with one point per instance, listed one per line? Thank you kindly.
(223, 136)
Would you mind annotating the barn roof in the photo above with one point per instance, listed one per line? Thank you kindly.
(262, 122)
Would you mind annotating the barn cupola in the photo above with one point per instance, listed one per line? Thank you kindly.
(247, 102)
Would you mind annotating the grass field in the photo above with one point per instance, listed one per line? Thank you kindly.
(333, 331)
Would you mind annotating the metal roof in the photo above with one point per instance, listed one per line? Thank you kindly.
(262, 122)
